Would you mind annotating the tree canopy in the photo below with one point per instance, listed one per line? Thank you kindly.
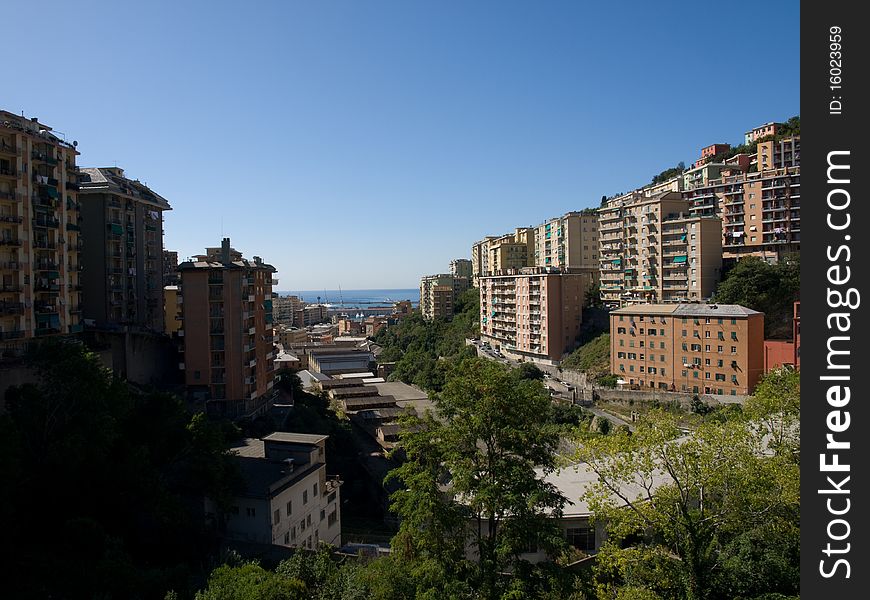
(108, 482)
(771, 289)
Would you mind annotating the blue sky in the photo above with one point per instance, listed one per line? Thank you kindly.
(365, 143)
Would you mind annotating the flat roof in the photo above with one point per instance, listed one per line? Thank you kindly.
(295, 438)
(688, 310)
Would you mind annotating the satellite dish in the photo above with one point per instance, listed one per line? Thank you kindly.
(75, 143)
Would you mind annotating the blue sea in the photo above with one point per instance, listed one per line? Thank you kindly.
(356, 298)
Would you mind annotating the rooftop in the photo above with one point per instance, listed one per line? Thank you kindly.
(262, 475)
(688, 310)
(295, 438)
(112, 179)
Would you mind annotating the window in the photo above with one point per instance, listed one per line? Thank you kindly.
(734, 335)
(302, 525)
(322, 513)
(662, 345)
(706, 347)
(719, 363)
(304, 496)
(733, 349)
(308, 518)
(707, 362)
(289, 508)
(719, 349)
(315, 490)
(706, 375)
(333, 517)
(196, 374)
(661, 331)
(277, 516)
(662, 357)
(685, 373)
(707, 334)
(685, 333)
(582, 538)
(293, 533)
(720, 377)
(286, 538)
(251, 512)
(721, 335)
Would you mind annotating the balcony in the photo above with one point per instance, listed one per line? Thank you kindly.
(44, 158)
(46, 222)
(11, 335)
(10, 196)
(8, 172)
(15, 242)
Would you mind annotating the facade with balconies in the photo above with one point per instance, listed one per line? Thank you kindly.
(40, 285)
(122, 222)
(227, 332)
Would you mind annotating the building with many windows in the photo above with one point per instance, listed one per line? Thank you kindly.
(569, 241)
(480, 259)
(651, 249)
(533, 313)
(40, 270)
(122, 255)
(512, 251)
(228, 352)
(460, 267)
(288, 499)
(438, 294)
(692, 348)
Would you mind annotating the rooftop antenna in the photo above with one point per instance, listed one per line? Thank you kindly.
(340, 297)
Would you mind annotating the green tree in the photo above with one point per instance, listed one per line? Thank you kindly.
(251, 582)
(771, 289)
(681, 512)
(470, 473)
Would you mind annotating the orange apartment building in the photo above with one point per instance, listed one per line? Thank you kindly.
(438, 295)
(40, 284)
(653, 250)
(534, 313)
(760, 132)
(760, 212)
(779, 353)
(228, 351)
(692, 348)
(708, 152)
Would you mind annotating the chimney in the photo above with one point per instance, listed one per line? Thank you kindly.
(225, 250)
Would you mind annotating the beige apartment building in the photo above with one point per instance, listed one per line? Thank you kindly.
(652, 250)
(512, 251)
(480, 259)
(533, 313)
(171, 309)
(461, 267)
(122, 255)
(40, 284)
(779, 154)
(228, 351)
(438, 294)
(569, 241)
(693, 348)
(285, 308)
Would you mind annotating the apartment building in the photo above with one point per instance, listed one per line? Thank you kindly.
(461, 267)
(512, 251)
(171, 310)
(709, 152)
(228, 356)
(122, 255)
(170, 267)
(760, 212)
(533, 313)
(438, 294)
(693, 348)
(779, 154)
(652, 250)
(569, 241)
(480, 259)
(288, 499)
(40, 271)
(761, 131)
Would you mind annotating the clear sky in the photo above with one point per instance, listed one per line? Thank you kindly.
(362, 144)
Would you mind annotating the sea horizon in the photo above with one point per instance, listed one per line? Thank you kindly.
(356, 297)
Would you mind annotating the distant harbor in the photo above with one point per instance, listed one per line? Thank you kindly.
(347, 300)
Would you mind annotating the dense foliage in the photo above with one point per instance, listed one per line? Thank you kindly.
(420, 347)
(103, 485)
(710, 516)
(771, 289)
(593, 357)
(669, 173)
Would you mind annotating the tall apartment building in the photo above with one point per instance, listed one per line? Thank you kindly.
(779, 154)
(534, 313)
(480, 259)
(569, 242)
(287, 499)
(40, 285)
(693, 348)
(760, 212)
(461, 267)
(122, 229)
(438, 294)
(512, 251)
(653, 250)
(228, 357)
